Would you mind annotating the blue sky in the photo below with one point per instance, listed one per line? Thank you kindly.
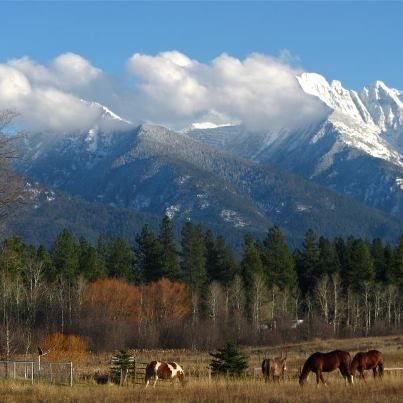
(355, 42)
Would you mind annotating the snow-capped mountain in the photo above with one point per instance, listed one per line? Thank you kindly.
(366, 119)
(356, 150)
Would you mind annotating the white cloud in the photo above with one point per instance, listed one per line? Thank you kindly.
(50, 97)
(260, 91)
(170, 88)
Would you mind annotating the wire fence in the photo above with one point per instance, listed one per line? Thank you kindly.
(60, 373)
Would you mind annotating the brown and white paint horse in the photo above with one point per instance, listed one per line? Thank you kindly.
(164, 370)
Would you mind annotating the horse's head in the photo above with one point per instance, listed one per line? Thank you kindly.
(354, 364)
(181, 377)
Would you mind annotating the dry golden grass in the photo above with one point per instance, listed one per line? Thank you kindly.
(388, 390)
(200, 389)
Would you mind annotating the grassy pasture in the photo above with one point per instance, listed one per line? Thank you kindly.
(250, 389)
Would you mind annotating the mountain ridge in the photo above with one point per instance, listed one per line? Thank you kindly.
(156, 170)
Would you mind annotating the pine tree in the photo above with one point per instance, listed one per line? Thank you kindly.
(360, 268)
(170, 259)
(194, 256)
(66, 255)
(379, 258)
(90, 266)
(122, 367)
(389, 265)
(15, 254)
(278, 260)
(251, 265)
(49, 268)
(229, 360)
(103, 250)
(220, 261)
(150, 256)
(121, 260)
(398, 264)
(329, 260)
(308, 262)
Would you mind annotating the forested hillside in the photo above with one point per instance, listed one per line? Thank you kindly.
(153, 293)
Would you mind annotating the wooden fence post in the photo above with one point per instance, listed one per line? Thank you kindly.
(71, 374)
(32, 372)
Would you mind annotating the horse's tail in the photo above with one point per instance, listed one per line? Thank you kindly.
(381, 365)
(305, 371)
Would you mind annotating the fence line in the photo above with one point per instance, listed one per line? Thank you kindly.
(60, 373)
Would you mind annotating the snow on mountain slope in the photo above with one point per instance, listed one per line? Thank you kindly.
(386, 108)
(335, 96)
(363, 120)
(106, 113)
(356, 149)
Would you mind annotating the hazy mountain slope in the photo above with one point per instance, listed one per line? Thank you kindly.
(44, 213)
(159, 171)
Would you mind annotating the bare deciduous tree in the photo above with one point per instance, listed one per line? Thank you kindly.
(322, 296)
(10, 184)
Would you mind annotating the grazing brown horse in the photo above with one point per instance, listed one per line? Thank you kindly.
(372, 359)
(274, 368)
(164, 370)
(327, 362)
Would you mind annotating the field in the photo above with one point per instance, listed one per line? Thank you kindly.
(251, 389)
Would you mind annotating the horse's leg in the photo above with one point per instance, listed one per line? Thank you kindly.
(322, 379)
(155, 382)
(363, 376)
(374, 372)
(380, 370)
(318, 375)
(147, 382)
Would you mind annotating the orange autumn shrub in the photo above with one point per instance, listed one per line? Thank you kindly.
(112, 299)
(64, 347)
(166, 299)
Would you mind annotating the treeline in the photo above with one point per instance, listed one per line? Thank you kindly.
(195, 292)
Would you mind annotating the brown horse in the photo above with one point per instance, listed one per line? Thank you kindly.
(372, 359)
(164, 370)
(327, 362)
(274, 368)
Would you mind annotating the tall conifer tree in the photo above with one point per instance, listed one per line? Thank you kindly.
(194, 256)
(308, 262)
(150, 257)
(251, 264)
(278, 261)
(398, 264)
(121, 260)
(360, 268)
(170, 259)
(66, 255)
